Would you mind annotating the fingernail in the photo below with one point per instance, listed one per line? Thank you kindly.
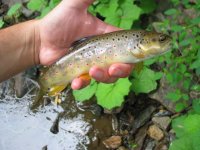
(98, 75)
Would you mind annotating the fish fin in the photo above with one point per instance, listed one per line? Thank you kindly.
(139, 66)
(56, 89)
(85, 76)
(38, 100)
(140, 55)
(79, 43)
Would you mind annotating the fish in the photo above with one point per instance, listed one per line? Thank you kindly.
(124, 46)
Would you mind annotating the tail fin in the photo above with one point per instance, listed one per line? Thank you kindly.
(39, 100)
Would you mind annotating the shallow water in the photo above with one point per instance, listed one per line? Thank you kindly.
(22, 129)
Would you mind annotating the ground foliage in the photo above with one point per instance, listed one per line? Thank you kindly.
(180, 67)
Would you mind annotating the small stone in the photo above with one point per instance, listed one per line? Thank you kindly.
(162, 122)
(155, 132)
(122, 148)
(150, 145)
(113, 142)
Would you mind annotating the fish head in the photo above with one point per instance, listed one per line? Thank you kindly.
(153, 43)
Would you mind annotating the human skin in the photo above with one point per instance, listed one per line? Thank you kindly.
(46, 40)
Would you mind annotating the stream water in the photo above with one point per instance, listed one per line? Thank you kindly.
(22, 128)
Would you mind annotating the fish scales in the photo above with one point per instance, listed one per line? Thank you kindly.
(125, 46)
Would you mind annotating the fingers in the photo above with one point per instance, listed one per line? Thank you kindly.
(101, 75)
(105, 75)
(120, 70)
(79, 83)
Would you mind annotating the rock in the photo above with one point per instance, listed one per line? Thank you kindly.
(140, 137)
(161, 93)
(161, 147)
(122, 148)
(155, 132)
(113, 142)
(162, 122)
(150, 145)
(142, 118)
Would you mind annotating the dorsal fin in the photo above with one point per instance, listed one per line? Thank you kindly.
(79, 43)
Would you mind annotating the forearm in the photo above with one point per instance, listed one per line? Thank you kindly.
(18, 48)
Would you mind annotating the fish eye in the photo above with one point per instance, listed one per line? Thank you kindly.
(162, 38)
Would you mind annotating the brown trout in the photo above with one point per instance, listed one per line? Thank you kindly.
(125, 46)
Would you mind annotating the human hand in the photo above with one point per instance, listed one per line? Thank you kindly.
(68, 22)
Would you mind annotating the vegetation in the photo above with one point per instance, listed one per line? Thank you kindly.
(180, 68)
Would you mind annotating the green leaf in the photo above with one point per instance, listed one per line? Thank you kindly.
(147, 6)
(85, 93)
(196, 105)
(145, 80)
(45, 11)
(189, 142)
(179, 107)
(150, 61)
(36, 5)
(195, 87)
(177, 28)
(195, 64)
(14, 9)
(186, 125)
(171, 11)
(112, 95)
(174, 96)
(196, 20)
(129, 10)
(107, 9)
(54, 3)
(1, 23)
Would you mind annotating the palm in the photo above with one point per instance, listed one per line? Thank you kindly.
(60, 28)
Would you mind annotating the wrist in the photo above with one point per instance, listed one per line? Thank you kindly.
(34, 41)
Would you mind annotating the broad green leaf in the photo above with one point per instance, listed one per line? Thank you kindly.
(1, 23)
(186, 125)
(45, 11)
(171, 11)
(196, 105)
(195, 64)
(54, 3)
(85, 93)
(145, 81)
(179, 107)
(196, 87)
(189, 142)
(14, 9)
(177, 28)
(150, 61)
(107, 9)
(126, 23)
(130, 11)
(36, 5)
(112, 95)
(196, 20)
(92, 10)
(174, 96)
(147, 6)
(113, 20)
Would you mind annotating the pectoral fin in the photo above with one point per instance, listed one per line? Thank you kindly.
(56, 89)
(85, 76)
